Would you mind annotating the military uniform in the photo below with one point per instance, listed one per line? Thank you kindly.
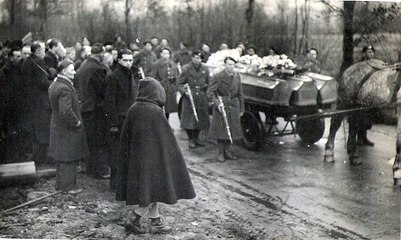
(166, 73)
(197, 77)
(230, 89)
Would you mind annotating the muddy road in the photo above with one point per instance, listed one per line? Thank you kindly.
(283, 191)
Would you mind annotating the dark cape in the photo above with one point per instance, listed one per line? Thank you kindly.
(151, 167)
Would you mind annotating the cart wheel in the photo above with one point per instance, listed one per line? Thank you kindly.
(253, 130)
(310, 131)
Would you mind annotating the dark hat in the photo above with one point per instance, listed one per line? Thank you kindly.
(230, 58)
(165, 48)
(97, 48)
(366, 48)
(197, 53)
(63, 64)
(146, 41)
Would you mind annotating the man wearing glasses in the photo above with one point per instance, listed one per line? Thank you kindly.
(120, 94)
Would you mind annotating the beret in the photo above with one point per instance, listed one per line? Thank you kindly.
(230, 58)
(197, 53)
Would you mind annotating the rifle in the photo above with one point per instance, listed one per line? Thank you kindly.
(191, 100)
(142, 72)
(179, 68)
(223, 112)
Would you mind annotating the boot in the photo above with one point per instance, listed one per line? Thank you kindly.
(157, 226)
(199, 142)
(227, 154)
(135, 226)
(220, 155)
(191, 143)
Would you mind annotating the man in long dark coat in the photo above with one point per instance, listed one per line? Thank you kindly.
(67, 135)
(166, 72)
(120, 94)
(151, 167)
(38, 77)
(16, 108)
(55, 54)
(227, 85)
(194, 76)
(90, 85)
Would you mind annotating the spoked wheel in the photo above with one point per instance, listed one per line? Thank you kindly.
(310, 131)
(253, 130)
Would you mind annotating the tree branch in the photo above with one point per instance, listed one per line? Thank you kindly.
(332, 8)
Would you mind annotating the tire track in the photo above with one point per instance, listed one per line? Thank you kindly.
(289, 216)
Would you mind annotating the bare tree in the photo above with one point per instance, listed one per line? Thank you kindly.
(249, 20)
(128, 7)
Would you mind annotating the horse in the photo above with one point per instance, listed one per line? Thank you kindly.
(365, 84)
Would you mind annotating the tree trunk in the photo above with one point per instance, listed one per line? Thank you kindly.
(348, 36)
(295, 33)
(249, 21)
(128, 6)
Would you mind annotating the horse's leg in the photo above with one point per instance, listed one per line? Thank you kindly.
(354, 158)
(335, 124)
(397, 159)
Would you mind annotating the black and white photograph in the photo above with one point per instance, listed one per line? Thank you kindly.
(200, 119)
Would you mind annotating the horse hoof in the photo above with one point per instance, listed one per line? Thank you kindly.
(355, 160)
(329, 158)
(397, 173)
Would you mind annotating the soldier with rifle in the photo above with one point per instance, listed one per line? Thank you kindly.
(225, 94)
(192, 84)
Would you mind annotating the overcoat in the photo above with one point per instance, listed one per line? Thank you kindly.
(15, 99)
(37, 76)
(120, 94)
(230, 89)
(89, 83)
(166, 72)
(198, 80)
(151, 167)
(51, 60)
(67, 141)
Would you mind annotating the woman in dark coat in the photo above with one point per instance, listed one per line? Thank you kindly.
(67, 135)
(151, 167)
(226, 84)
(166, 72)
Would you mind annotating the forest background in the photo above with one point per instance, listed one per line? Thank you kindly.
(337, 29)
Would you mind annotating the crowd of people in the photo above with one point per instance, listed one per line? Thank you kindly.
(105, 107)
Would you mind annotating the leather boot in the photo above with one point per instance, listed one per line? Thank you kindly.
(135, 226)
(220, 154)
(191, 143)
(157, 226)
(227, 154)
